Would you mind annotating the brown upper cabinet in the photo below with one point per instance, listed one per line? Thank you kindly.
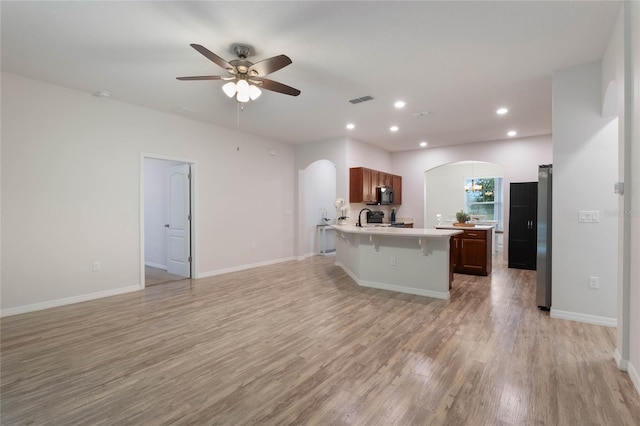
(396, 184)
(363, 183)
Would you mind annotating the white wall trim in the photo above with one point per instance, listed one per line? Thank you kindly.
(156, 265)
(68, 301)
(625, 365)
(586, 318)
(635, 378)
(621, 363)
(396, 288)
(244, 267)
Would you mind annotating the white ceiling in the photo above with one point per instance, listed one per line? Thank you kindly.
(459, 60)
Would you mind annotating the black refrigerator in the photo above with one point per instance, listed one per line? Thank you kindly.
(543, 254)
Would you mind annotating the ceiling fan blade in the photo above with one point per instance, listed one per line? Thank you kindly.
(212, 56)
(202, 77)
(270, 65)
(274, 86)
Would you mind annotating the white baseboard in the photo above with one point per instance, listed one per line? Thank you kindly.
(244, 267)
(586, 318)
(621, 363)
(155, 265)
(396, 288)
(635, 378)
(67, 301)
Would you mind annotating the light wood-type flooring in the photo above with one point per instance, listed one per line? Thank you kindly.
(301, 343)
(155, 276)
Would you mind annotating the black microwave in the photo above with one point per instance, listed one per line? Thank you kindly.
(384, 195)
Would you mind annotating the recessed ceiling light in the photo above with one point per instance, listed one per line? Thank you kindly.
(394, 128)
(399, 104)
(351, 126)
(512, 133)
(502, 111)
(423, 144)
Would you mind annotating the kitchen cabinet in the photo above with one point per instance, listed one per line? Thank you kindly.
(385, 179)
(523, 226)
(363, 183)
(471, 252)
(396, 184)
(361, 186)
(375, 182)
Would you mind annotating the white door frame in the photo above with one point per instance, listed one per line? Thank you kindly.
(194, 211)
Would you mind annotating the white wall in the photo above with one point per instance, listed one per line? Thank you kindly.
(621, 66)
(335, 151)
(633, 10)
(360, 154)
(585, 167)
(319, 199)
(155, 211)
(444, 188)
(71, 193)
(519, 159)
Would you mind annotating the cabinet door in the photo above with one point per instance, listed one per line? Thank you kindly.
(523, 215)
(473, 255)
(385, 179)
(356, 175)
(375, 182)
(368, 185)
(396, 184)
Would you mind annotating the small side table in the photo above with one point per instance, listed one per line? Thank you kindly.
(323, 239)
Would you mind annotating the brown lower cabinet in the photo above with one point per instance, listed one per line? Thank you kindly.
(471, 252)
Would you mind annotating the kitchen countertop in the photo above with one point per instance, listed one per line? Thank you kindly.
(465, 228)
(398, 232)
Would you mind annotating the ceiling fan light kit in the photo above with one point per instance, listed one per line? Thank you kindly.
(244, 76)
(242, 90)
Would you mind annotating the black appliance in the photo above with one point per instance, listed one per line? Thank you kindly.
(375, 216)
(384, 195)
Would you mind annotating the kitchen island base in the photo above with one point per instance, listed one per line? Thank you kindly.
(413, 261)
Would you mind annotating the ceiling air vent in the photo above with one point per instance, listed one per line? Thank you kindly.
(362, 99)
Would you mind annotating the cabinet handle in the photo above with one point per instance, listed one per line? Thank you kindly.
(471, 234)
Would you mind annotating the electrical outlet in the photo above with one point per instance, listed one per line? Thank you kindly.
(393, 261)
(95, 267)
(594, 282)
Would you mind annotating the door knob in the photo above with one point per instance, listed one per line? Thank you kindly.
(166, 225)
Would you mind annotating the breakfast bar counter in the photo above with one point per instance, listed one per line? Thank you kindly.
(406, 260)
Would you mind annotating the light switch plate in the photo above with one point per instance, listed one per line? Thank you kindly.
(588, 216)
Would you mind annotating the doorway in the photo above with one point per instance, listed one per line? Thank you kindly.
(167, 224)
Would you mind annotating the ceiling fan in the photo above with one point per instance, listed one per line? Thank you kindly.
(246, 78)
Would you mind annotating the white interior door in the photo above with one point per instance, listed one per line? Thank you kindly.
(178, 218)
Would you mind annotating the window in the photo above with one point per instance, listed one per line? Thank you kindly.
(483, 196)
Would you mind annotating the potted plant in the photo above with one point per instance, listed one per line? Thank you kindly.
(463, 219)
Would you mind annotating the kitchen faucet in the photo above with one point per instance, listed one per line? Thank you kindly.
(360, 214)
